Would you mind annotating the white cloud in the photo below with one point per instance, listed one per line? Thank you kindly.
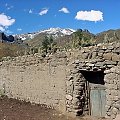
(43, 11)
(89, 15)
(30, 11)
(19, 29)
(5, 21)
(2, 29)
(64, 10)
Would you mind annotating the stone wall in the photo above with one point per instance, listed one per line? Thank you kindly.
(35, 79)
(112, 80)
(104, 57)
(57, 80)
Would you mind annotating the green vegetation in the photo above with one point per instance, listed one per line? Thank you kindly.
(48, 44)
(82, 39)
(44, 43)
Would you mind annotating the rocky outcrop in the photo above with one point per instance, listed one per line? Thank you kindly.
(10, 38)
(5, 38)
(2, 37)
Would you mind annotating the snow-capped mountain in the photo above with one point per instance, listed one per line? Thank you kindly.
(27, 36)
(55, 32)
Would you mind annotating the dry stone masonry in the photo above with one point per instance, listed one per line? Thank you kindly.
(60, 80)
(35, 79)
(104, 58)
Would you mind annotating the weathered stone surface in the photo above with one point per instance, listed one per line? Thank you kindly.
(99, 64)
(69, 83)
(90, 64)
(117, 117)
(110, 47)
(115, 57)
(94, 55)
(58, 80)
(70, 77)
(110, 62)
(77, 61)
(100, 54)
(107, 56)
(85, 55)
(108, 51)
(69, 97)
(117, 106)
(115, 110)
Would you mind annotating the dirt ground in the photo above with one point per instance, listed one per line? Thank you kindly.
(11, 109)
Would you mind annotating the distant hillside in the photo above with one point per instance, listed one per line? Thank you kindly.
(76, 38)
(11, 46)
(8, 49)
(67, 37)
(108, 36)
(36, 41)
(61, 38)
(54, 32)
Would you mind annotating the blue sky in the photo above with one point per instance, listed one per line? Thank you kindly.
(23, 16)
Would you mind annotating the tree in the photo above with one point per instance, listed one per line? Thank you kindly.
(77, 38)
(48, 44)
(81, 39)
(45, 44)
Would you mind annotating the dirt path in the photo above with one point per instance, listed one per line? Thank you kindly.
(11, 109)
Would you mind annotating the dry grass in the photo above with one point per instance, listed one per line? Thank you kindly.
(9, 49)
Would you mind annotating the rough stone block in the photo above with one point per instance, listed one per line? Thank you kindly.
(107, 56)
(110, 47)
(69, 97)
(94, 55)
(117, 106)
(115, 57)
(90, 64)
(69, 83)
(115, 111)
(117, 117)
(85, 55)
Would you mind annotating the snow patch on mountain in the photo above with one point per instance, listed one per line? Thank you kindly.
(55, 32)
(58, 30)
(27, 36)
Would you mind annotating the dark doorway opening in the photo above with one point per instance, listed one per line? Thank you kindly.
(94, 77)
(95, 96)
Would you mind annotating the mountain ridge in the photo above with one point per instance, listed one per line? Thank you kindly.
(55, 32)
(14, 45)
